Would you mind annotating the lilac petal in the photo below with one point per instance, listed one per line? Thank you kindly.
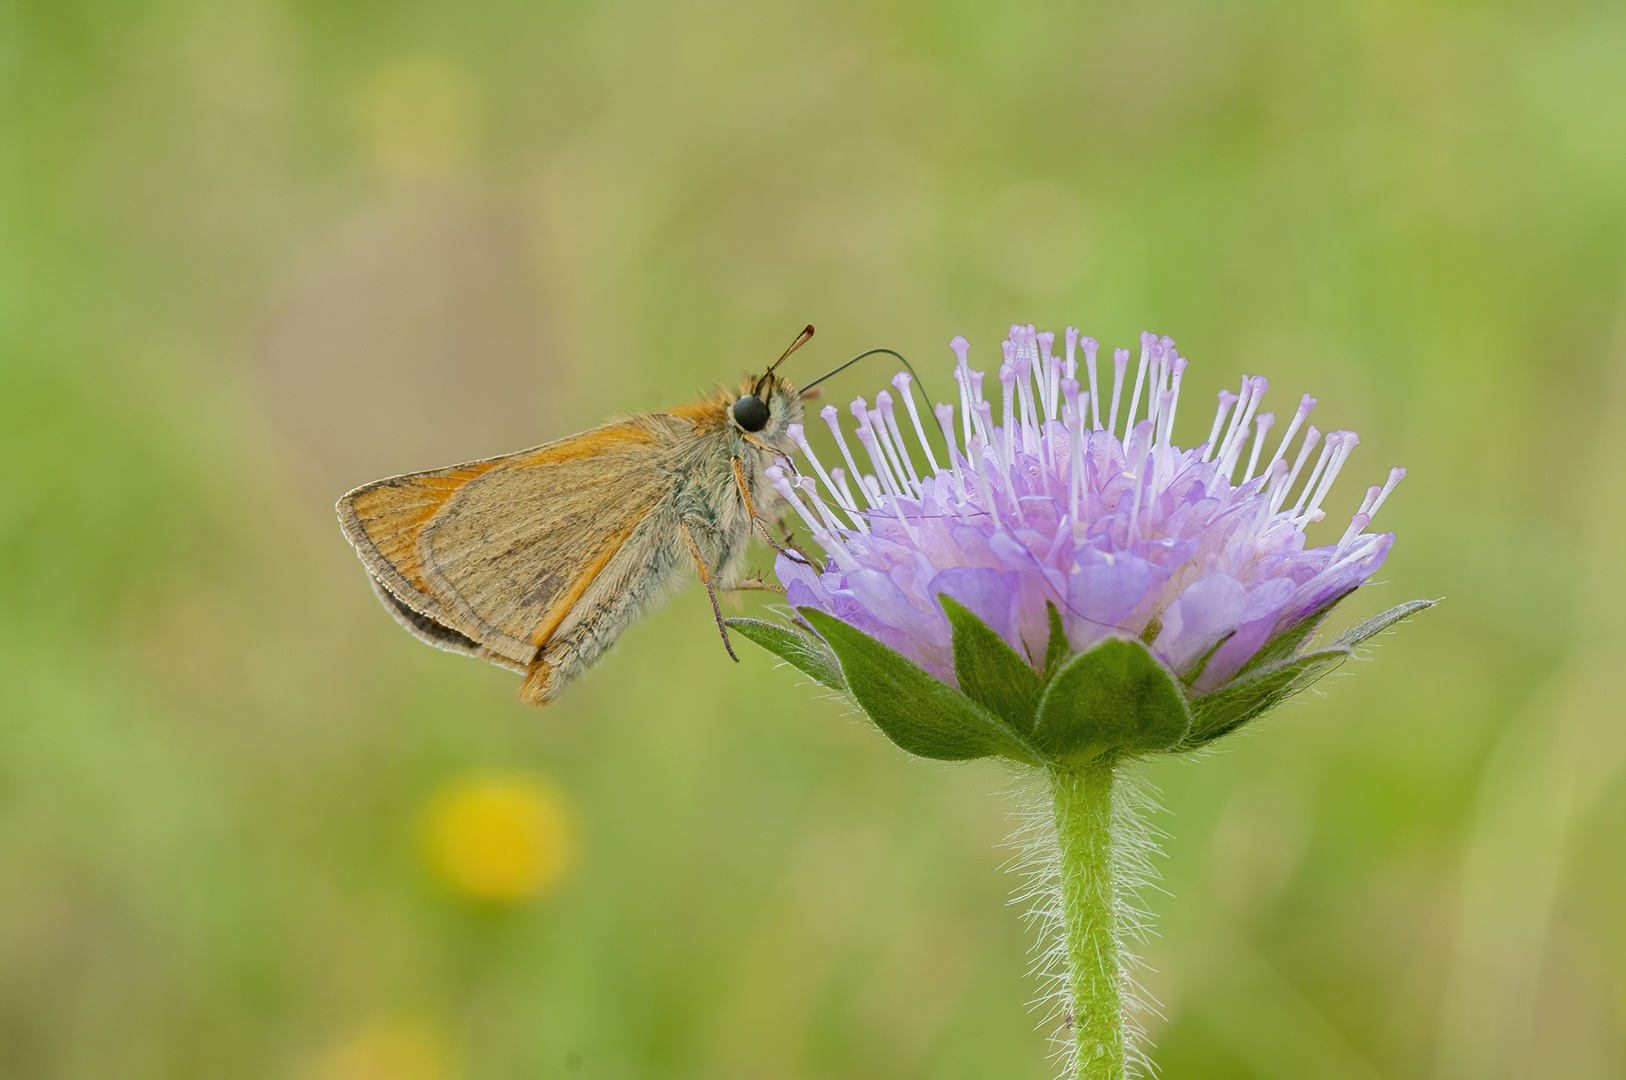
(890, 605)
(801, 594)
(1103, 590)
(1255, 625)
(975, 547)
(990, 595)
(1038, 589)
(793, 571)
(916, 646)
(1203, 613)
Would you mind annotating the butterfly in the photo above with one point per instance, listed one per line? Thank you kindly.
(538, 560)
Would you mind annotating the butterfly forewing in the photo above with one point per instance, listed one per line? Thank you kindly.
(498, 551)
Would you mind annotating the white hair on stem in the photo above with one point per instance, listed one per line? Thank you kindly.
(1134, 845)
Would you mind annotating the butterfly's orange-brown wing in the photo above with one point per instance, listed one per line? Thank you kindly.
(489, 557)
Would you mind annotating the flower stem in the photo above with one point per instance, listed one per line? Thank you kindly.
(1089, 909)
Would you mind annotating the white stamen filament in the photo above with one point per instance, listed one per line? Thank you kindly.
(1144, 467)
(829, 542)
(1072, 418)
(962, 376)
(1140, 378)
(945, 420)
(1005, 467)
(990, 440)
(985, 489)
(1154, 443)
(798, 436)
(1000, 448)
(1275, 478)
(811, 487)
(1027, 362)
(1174, 400)
(892, 439)
(839, 475)
(1090, 347)
(1226, 400)
(842, 499)
(1371, 497)
(1328, 449)
(903, 521)
(1360, 545)
(902, 381)
(1262, 425)
(1356, 523)
(1244, 392)
(962, 379)
(1160, 381)
(1030, 414)
(1052, 369)
(1346, 445)
(1075, 445)
(1396, 475)
(1120, 361)
(890, 412)
(894, 463)
(1007, 397)
(1233, 449)
(872, 447)
(1311, 437)
(828, 415)
(1306, 404)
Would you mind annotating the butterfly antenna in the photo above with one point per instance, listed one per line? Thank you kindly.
(889, 352)
(801, 339)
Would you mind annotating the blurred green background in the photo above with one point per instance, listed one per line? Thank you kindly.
(255, 253)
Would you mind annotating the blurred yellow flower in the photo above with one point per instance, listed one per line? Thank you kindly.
(395, 1049)
(499, 838)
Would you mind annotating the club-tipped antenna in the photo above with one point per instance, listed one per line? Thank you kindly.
(801, 339)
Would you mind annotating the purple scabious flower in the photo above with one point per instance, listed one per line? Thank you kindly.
(1064, 496)
(1069, 590)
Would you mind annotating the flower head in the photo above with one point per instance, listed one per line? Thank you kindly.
(1086, 503)
(1064, 505)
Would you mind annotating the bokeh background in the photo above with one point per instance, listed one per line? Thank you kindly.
(255, 253)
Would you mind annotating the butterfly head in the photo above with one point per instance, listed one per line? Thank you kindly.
(766, 407)
(769, 405)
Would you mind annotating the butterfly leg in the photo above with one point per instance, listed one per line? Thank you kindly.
(705, 578)
(756, 520)
(790, 542)
(756, 584)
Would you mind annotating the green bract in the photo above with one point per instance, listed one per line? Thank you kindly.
(1114, 699)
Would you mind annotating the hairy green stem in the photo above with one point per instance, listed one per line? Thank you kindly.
(1083, 803)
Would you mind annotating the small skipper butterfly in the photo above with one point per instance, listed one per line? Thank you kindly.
(538, 560)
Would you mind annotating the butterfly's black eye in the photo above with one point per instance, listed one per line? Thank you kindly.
(751, 413)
